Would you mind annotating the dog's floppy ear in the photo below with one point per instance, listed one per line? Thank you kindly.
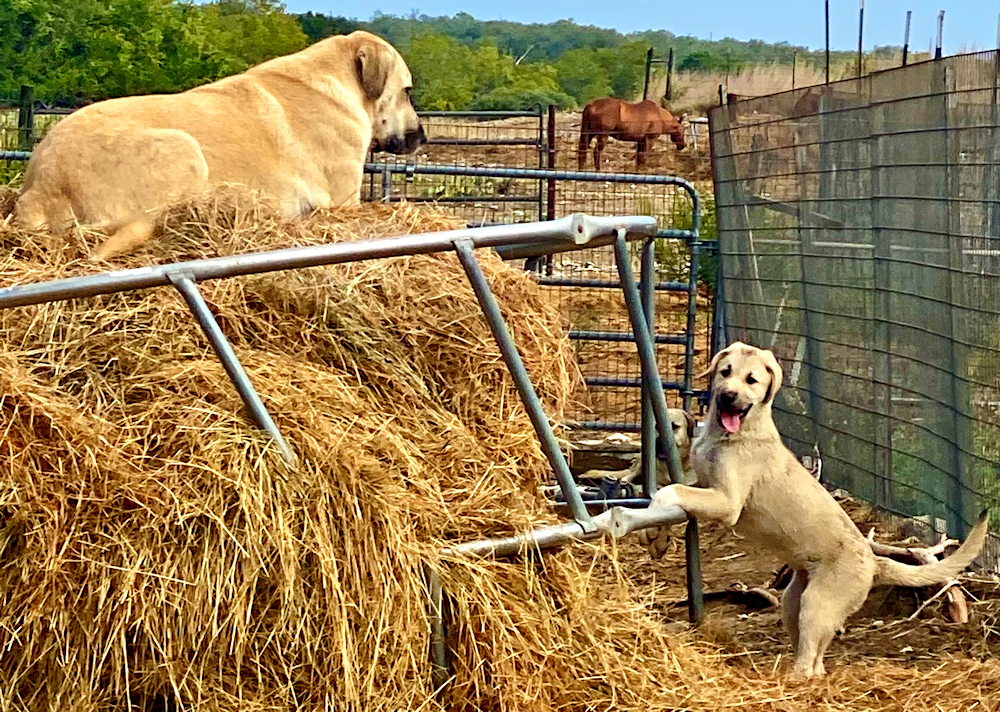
(373, 68)
(774, 371)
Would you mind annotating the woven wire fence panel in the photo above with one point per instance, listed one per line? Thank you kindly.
(859, 233)
(610, 367)
(483, 141)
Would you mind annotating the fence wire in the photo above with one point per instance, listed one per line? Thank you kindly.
(859, 229)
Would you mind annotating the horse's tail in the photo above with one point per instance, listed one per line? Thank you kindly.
(586, 136)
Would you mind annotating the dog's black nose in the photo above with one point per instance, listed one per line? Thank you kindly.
(726, 399)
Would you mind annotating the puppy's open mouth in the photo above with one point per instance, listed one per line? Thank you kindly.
(731, 419)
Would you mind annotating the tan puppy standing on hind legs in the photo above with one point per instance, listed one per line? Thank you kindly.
(749, 480)
(297, 128)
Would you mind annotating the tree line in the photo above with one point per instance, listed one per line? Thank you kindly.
(76, 51)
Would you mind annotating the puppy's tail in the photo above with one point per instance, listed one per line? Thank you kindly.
(888, 571)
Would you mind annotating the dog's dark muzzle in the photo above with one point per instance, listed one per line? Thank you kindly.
(408, 143)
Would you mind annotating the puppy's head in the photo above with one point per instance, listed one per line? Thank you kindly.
(743, 381)
(386, 82)
(682, 424)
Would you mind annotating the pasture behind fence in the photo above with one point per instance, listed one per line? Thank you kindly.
(859, 230)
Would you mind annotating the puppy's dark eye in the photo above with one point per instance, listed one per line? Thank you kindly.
(726, 371)
(675, 426)
(751, 380)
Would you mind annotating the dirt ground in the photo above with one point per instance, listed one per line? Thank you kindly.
(754, 639)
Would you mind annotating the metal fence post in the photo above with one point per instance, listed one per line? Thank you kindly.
(654, 386)
(26, 118)
(959, 507)
(649, 66)
(550, 197)
(647, 278)
(668, 93)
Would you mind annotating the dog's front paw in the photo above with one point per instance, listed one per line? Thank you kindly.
(666, 497)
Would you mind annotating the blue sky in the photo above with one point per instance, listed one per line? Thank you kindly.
(967, 23)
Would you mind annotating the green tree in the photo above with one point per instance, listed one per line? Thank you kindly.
(441, 68)
(581, 76)
(253, 31)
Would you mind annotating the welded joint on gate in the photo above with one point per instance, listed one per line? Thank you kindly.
(185, 283)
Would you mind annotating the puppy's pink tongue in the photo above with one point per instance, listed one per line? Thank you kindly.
(730, 422)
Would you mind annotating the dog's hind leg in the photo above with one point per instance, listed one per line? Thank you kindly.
(832, 593)
(791, 604)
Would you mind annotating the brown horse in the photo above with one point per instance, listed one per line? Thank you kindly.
(641, 122)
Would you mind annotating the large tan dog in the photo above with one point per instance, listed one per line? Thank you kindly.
(749, 480)
(296, 128)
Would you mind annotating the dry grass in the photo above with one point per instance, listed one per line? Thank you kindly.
(696, 92)
(156, 554)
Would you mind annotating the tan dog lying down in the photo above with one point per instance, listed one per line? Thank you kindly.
(749, 480)
(297, 128)
(682, 425)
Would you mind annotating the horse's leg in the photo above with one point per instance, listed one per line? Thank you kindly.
(602, 140)
(581, 153)
(641, 147)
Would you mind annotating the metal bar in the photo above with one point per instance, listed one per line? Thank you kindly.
(827, 4)
(668, 93)
(465, 199)
(615, 521)
(906, 36)
(603, 425)
(482, 141)
(692, 323)
(534, 173)
(230, 362)
(556, 235)
(508, 349)
(651, 376)
(647, 357)
(607, 284)
(602, 505)
(533, 249)
(620, 336)
(647, 293)
(550, 202)
(618, 382)
(550, 183)
(649, 66)
(15, 155)
(435, 614)
(386, 186)
(476, 114)
(940, 35)
(26, 118)
(861, 33)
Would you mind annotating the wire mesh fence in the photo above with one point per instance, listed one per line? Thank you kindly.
(859, 231)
